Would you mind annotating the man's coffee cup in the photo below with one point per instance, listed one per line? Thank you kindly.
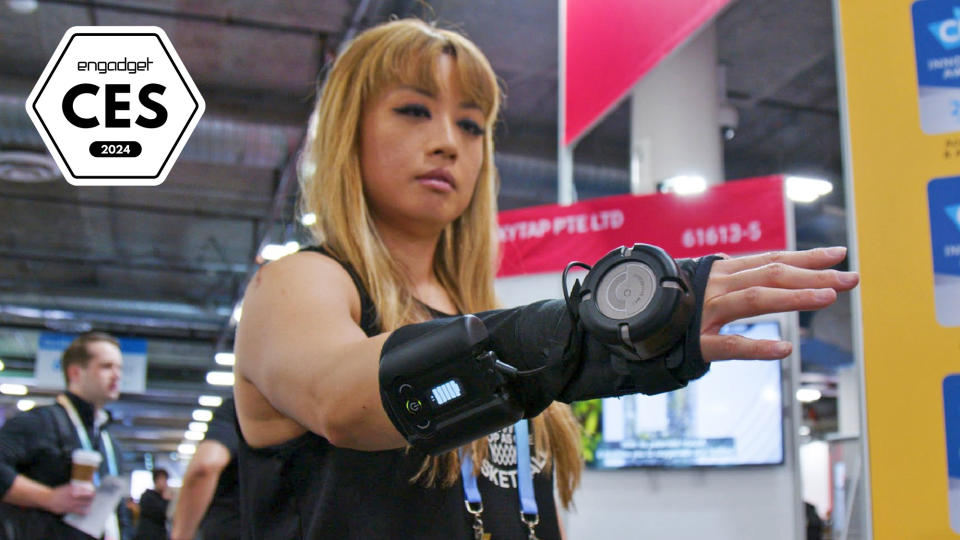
(85, 464)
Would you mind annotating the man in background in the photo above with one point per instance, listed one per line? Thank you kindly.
(36, 446)
(210, 484)
(152, 509)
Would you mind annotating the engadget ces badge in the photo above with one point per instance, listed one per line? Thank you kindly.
(115, 106)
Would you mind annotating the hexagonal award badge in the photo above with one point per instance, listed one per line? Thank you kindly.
(115, 106)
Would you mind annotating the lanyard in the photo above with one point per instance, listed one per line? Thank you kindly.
(528, 502)
(65, 402)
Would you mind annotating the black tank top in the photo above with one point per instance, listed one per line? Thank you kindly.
(305, 488)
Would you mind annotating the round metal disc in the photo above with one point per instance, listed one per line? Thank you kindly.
(626, 290)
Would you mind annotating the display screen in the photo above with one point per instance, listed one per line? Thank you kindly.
(731, 416)
(445, 392)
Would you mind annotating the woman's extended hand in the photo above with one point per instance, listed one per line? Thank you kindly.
(767, 283)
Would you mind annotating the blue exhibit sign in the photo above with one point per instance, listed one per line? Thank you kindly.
(936, 34)
(943, 200)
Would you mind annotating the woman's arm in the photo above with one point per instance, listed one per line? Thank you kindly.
(199, 485)
(304, 363)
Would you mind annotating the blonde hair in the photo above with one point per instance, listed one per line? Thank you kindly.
(405, 52)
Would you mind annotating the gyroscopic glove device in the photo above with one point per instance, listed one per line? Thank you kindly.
(631, 326)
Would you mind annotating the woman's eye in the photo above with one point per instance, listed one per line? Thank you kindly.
(418, 111)
(471, 127)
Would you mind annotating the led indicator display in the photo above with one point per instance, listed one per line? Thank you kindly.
(446, 392)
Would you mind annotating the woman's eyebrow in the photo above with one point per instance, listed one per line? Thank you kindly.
(422, 91)
(427, 93)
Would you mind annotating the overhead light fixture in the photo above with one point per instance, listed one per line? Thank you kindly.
(202, 415)
(193, 435)
(808, 395)
(26, 404)
(187, 449)
(237, 312)
(220, 378)
(308, 219)
(272, 252)
(804, 189)
(23, 7)
(11, 389)
(684, 184)
(225, 358)
(210, 401)
(200, 427)
(27, 167)
(729, 119)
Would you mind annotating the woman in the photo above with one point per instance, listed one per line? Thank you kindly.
(399, 170)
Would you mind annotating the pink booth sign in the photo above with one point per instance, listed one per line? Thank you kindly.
(610, 45)
(744, 216)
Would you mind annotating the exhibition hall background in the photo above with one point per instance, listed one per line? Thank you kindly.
(758, 97)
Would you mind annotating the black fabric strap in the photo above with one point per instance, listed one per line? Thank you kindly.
(65, 431)
(698, 272)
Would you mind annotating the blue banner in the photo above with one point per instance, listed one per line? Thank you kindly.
(943, 197)
(951, 414)
(936, 34)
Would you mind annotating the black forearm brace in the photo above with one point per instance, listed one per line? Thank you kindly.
(446, 382)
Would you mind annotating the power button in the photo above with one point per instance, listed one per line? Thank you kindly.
(410, 402)
(414, 406)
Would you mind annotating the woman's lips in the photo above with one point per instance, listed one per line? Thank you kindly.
(438, 179)
(436, 184)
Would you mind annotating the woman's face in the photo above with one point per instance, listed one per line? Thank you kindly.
(421, 153)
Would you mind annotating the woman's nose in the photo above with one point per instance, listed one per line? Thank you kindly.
(444, 140)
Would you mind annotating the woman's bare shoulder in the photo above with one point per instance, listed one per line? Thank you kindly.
(296, 311)
(307, 279)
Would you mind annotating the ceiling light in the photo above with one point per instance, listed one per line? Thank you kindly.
(308, 219)
(200, 427)
(684, 184)
(27, 167)
(210, 401)
(225, 358)
(202, 415)
(804, 189)
(237, 312)
(220, 378)
(13, 389)
(23, 7)
(26, 404)
(187, 449)
(808, 395)
(272, 252)
(193, 435)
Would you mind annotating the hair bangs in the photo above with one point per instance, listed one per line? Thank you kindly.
(412, 60)
(475, 77)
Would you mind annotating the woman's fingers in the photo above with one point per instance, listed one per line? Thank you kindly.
(753, 301)
(767, 283)
(784, 276)
(734, 347)
(812, 258)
